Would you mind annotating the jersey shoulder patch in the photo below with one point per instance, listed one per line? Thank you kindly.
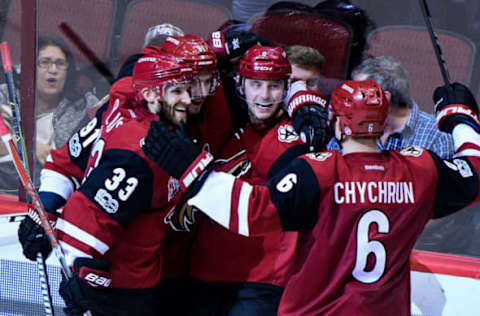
(413, 151)
(286, 133)
(319, 156)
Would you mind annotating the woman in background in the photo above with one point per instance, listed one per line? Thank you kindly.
(60, 109)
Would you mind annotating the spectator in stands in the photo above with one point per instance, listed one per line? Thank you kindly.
(60, 109)
(406, 124)
(306, 64)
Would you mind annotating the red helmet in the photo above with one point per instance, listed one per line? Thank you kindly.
(361, 107)
(265, 63)
(193, 49)
(154, 71)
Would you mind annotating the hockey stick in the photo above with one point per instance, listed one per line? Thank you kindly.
(436, 45)
(36, 202)
(101, 67)
(20, 141)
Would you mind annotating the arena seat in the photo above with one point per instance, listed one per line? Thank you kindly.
(90, 23)
(289, 27)
(413, 47)
(197, 17)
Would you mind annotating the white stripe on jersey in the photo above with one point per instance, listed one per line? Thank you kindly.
(468, 152)
(81, 235)
(463, 133)
(71, 253)
(218, 184)
(243, 209)
(52, 181)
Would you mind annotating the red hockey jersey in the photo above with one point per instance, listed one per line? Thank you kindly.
(66, 166)
(365, 212)
(219, 255)
(117, 213)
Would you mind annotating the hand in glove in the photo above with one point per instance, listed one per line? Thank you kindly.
(32, 236)
(177, 155)
(309, 114)
(455, 104)
(85, 291)
(233, 44)
(30, 233)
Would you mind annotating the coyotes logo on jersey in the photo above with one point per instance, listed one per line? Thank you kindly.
(320, 156)
(181, 217)
(412, 151)
(287, 134)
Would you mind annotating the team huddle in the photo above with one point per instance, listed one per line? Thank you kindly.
(176, 206)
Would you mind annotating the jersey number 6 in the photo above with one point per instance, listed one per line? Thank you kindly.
(365, 247)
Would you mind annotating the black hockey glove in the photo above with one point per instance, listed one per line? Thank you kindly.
(177, 155)
(310, 117)
(310, 121)
(455, 105)
(32, 237)
(233, 44)
(86, 290)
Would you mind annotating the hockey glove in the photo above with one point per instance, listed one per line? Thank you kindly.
(233, 44)
(31, 235)
(86, 289)
(455, 105)
(177, 155)
(310, 117)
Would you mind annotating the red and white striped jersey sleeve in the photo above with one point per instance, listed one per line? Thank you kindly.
(287, 202)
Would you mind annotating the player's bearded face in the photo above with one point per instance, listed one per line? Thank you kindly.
(176, 100)
(264, 98)
(201, 88)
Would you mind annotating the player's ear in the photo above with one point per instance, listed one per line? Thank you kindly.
(240, 82)
(148, 94)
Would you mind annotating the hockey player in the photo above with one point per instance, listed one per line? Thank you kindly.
(209, 113)
(65, 167)
(195, 49)
(111, 229)
(365, 208)
(236, 275)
